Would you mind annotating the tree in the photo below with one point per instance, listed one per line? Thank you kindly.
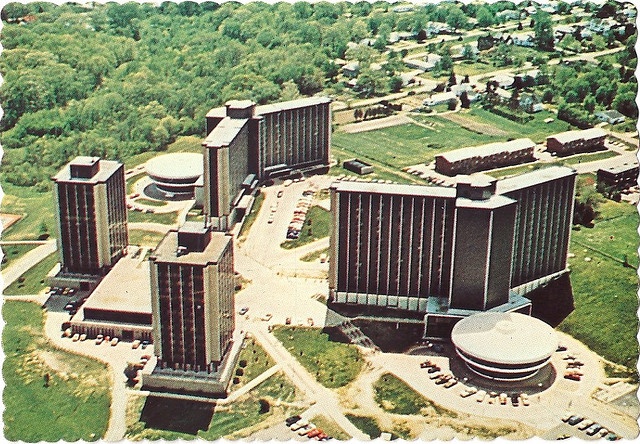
(468, 53)
(456, 18)
(485, 17)
(452, 79)
(452, 104)
(265, 406)
(625, 100)
(547, 95)
(543, 29)
(395, 83)
(464, 100)
(589, 103)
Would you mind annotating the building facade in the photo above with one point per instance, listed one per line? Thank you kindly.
(619, 177)
(437, 254)
(579, 141)
(485, 157)
(246, 143)
(192, 287)
(90, 198)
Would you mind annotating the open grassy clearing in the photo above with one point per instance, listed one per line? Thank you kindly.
(251, 217)
(381, 172)
(14, 252)
(604, 289)
(366, 424)
(132, 181)
(334, 364)
(158, 218)
(144, 238)
(329, 426)
(150, 202)
(253, 361)
(184, 144)
(470, 68)
(316, 226)
(409, 144)
(33, 280)
(589, 157)
(35, 207)
(73, 405)
(395, 396)
(155, 418)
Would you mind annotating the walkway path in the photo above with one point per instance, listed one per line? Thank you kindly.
(22, 265)
(251, 385)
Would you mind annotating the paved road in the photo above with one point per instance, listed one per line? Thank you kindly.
(22, 265)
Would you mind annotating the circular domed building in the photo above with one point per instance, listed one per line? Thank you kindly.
(504, 346)
(176, 173)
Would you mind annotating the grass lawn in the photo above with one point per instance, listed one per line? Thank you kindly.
(132, 181)
(380, 171)
(535, 129)
(184, 144)
(74, 406)
(154, 418)
(319, 228)
(589, 157)
(150, 202)
(314, 255)
(334, 364)
(604, 290)
(158, 218)
(471, 68)
(14, 252)
(366, 424)
(329, 426)
(395, 396)
(33, 281)
(410, 144)
(251, 217)
(144, 237)
(253, 361)
(36, 209)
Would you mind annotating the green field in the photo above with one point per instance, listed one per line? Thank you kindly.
(589, 157)
(14, 252)
(366, 424)
(150, 202)
(314, 255)
(34, 278)
(334, 364)
(132, 181)
(317, 226)
(73, 405)
(36, 209)
(395, 396)
(158, 218)
(184, 144)
(144, 237)
(155, 418)
(329, 426)
(253, 361)
(604, 290)
(410, 144)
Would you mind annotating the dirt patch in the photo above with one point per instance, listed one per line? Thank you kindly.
(52, 361)
(8, 219)
(472, 125)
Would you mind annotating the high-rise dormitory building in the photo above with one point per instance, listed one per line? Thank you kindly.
(434, 255)
(91, 215)
(246, 143)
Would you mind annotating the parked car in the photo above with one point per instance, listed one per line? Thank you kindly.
(313, 433)
(76, 337)
(442, 379)
(287, 321)
(426, 364)
(83, 336)
(135, 344)
(434, 369)
(280, 193)
(567, 416)
(306, 429)
(561, 348)
(514, 400)
(450, 383)
(298, 425)
(435, 375)
(144, 345)
(465, 393)
(593, 429)
(585, 424)
(525, 399)
(572, 376)
(114, 342)
(292, 420)
(612, 437)
(575, 419)
(322, 436)
(480, 395)
(99, 339)
(243, 310)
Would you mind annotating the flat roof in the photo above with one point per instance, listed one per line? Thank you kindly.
(176, 166)
(493, 202)
(570, 136)
(409, 190)
(291, 104)
(505, 338)
(166, 251)
(620, 168)
(127, 287)
(487, 150)
(535, 177)
(107, 168)
(223, 134)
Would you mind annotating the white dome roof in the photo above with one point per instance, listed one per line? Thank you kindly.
(504, 338)
(176, 166)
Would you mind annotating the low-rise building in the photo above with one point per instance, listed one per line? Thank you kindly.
(619, 177)
(579, 141)
(485, 157)
(358, 166)
(611, 116)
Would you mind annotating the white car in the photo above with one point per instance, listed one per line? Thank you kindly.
(481, 395)
(298, 425)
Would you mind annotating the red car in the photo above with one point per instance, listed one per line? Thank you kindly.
(572, 376)
(313, 432)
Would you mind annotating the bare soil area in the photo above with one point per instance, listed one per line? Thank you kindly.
(471, 125)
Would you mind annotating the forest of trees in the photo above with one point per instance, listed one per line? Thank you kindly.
(115, 80)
